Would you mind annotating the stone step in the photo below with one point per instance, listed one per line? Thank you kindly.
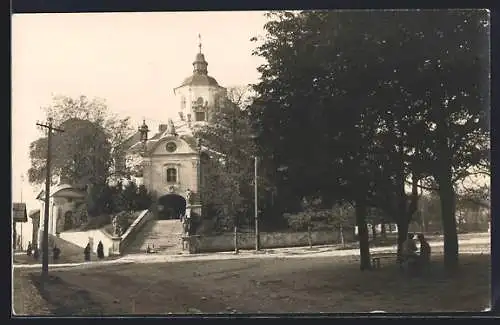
(163, 235)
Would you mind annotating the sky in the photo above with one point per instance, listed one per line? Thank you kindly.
(132, 60)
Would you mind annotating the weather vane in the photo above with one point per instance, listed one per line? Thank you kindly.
(199, 41)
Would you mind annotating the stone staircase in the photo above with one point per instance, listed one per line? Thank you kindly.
(164, 236)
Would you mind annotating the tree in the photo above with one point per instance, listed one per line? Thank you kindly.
(228, 186)
(375, 119)
(129, 196)
(144, 198)
(452, 86)
(80, 155)
(320, 129)
(95, 110)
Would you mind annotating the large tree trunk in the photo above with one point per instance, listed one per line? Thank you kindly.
(364, 248)
(447, 200)
(403, 226)
(406, 210)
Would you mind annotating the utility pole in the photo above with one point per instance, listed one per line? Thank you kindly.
(21, 239)
(256, 208)
(422, 211)
(45, 242)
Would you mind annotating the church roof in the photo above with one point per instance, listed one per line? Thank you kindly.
(199, 80)
(58, 188)
(181, 129)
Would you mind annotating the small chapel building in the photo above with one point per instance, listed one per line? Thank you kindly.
(172, 163)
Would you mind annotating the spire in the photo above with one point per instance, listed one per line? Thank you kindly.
(199, 64)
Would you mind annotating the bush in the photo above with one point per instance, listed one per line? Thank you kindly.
(298, 221)
(98, 222)
(81, 215)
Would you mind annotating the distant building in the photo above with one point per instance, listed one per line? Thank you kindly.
(19, 216)
(62, 202)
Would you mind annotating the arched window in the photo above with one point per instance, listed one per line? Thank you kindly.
(171, 175)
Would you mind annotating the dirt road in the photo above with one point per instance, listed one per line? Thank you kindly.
(273, 285)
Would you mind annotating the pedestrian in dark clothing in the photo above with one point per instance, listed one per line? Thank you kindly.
(29, 250)
(100, 250)
(86, 252)
(35, 253)
(425, 250)
(56, 252)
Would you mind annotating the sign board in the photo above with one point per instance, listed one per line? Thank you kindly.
(19, 213)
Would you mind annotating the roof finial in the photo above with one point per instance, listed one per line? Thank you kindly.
(199, 41)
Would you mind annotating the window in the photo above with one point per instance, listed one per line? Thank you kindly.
(199, 116)
(171, 175)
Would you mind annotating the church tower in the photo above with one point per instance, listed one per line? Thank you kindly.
(199, 95)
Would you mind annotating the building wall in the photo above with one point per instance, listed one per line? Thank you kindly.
(184, 159)
(82, 238)
(24, 231)
(210, 94)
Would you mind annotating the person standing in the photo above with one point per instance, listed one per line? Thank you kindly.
(29, 249)
(100, 250)
(56, 252)
(86, 253)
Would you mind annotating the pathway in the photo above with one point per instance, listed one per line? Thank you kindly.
(467, 246)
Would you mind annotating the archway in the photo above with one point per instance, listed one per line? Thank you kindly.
(171, 206)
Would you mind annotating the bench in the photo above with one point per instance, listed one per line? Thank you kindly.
(377, 258)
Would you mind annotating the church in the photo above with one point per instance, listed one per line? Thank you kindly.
(172, 163)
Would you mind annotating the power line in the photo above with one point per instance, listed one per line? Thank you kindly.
(45, 243)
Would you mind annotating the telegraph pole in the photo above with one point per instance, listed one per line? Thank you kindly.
(45, 242)
(21, 240)
(256, 208)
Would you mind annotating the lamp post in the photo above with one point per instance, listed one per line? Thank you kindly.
(256, 208)
(256, 197)
(21, 239)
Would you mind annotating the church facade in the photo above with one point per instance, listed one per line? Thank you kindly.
(172, 163)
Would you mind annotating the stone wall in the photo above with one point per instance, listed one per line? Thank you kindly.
(82, 238)
(225, 242)
(129, 236)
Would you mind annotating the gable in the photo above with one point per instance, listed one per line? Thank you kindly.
(172, 146)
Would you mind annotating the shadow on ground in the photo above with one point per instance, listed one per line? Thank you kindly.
(278, 285)
(66, 299)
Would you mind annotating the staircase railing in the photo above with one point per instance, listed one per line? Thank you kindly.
(129, 236)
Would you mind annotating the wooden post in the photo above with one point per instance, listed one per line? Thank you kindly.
(45, 242)
(236, 248)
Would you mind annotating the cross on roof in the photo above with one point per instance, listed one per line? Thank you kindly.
(199, 41)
